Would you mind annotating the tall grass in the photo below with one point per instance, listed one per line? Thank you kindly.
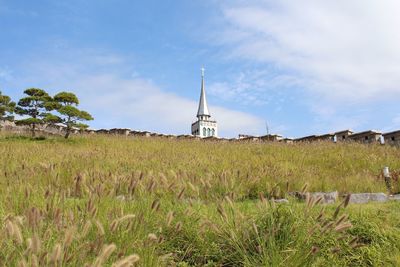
(102, 201)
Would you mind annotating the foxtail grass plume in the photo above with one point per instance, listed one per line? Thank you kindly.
(35, 244)
(104, 255)
(152, 237)
(304, 188)
(128, 261)
(342, 219)
(100, 228)
(69, 236)
(347, 200)
(343, 227)
(56, 254)
(169, 218)
(178, 226)
(22, 263)
(86, 228)
(180, 195)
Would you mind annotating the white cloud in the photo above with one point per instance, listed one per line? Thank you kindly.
(118, 100)
(395, 124)
(5, 74)
(342, 50)
(254, 87)
(137, 102)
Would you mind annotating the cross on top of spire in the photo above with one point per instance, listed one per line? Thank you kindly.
(203, 107)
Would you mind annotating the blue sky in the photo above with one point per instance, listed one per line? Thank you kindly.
(305, 68)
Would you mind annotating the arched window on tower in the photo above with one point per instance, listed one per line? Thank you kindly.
(208, 132)
(204, 132)
(213, 132)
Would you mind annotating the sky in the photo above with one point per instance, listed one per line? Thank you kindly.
(295, 67)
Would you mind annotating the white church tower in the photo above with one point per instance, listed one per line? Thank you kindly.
(204, 126)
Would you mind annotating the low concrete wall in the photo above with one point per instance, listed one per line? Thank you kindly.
(60, 130)
(357, 198)
(368, 197)
(326, 197)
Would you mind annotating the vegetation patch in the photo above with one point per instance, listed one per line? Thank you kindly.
(102, 201)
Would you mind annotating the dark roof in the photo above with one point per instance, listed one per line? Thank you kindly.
(250, 138)
(344, 131)
(392, 133)
(271, 136)
(186, 136)
(211, 138)
(370, 132)
(306, 138)
(325, 135)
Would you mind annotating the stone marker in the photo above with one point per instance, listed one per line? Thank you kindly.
(283, 200)
(327, 198)
(395, 197)
(120, 198)
(367, 197)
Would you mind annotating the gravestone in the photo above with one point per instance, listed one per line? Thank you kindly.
(327, 198)
(368, 197)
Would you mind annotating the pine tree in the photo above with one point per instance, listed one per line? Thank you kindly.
(66, 105)
(7, 108)
(35, 107)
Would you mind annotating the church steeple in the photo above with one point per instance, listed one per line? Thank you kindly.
(202, 112)
(204, 126)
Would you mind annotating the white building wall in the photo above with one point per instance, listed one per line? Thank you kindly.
(205, 129)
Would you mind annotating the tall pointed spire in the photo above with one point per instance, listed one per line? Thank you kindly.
(204, 126)
(203, 107)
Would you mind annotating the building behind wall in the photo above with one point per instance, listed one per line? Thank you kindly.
(325, 137)
(271, 137)
(7, 125)
(241, 136)
(309, 138)
(392, 138)
(287, 140)
(343, 135)
(204, 126)
(367, 137)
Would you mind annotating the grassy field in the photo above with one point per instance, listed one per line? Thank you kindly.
(102, 201)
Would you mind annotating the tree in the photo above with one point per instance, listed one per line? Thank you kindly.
(36, 106)
(66, 105)
(6, 108)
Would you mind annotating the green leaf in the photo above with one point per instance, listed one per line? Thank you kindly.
(37, 93)
(35, 104)
(52, 105)
(81, 126)
(67, 108)
(69, 111)
(29, 121)
(51, 118)
(86, 116)
(7, 107)
(66, 98)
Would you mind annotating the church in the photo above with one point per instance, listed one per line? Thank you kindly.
(204, 126)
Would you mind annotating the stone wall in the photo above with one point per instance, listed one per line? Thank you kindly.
(393, 137)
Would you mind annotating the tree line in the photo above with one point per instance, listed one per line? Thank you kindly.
(37, 107)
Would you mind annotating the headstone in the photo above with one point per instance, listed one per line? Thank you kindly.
(367, 197)
(283, 200)
(327, 198)
(395, 197)
(120, 198)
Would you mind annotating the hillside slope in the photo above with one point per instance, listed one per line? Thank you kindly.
(97, 200)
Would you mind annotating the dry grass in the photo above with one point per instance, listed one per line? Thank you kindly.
(104, 201)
